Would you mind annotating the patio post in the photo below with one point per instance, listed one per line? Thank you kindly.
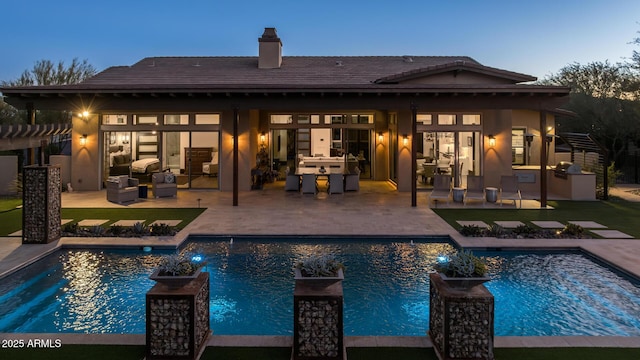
(543, 159)
(414, 146)
(235, 156)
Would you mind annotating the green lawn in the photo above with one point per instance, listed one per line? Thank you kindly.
(9, 203)
(99, 352)
(11, 221)
(615, 214)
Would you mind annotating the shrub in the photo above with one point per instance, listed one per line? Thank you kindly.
(462, 264)
(140, 229)
(116, 230)
(471, 230)
(96, 230)
(525, 230)
(495, 230)
(162, 230)
(70, 228)
(179, 265)
(572, 230)
(319, 266)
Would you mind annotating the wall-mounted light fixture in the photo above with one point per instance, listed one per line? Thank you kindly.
(380, 137)
(405, 140)
(492, 141)
(550, 138)
(263, 138)
(83, 139)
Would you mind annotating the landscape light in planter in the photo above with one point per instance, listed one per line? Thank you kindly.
(197, 258)
(442, 259)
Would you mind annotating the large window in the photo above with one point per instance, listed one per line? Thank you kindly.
(518, 149)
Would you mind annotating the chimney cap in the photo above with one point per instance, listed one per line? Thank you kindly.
(269, 35)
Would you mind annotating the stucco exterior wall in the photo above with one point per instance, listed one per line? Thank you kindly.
(531, 121)
(497, 159)
(85, 171)
(9, 166)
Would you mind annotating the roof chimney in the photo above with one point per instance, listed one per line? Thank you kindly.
(270, 51)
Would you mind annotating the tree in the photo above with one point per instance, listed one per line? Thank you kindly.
(45, 72)
(605, 99)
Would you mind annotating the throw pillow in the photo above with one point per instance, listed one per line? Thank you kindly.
(169, 178)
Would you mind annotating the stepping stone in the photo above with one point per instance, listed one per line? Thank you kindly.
(548, 224)
(91, 222)
(65, 221)
(168, 222)
(588, 224)
(480, 224)
(127, 222)
(611, 234)
(509, 224)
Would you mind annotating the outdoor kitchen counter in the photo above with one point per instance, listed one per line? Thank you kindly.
(575, 187)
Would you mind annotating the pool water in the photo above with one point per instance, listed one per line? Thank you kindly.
(386, 290)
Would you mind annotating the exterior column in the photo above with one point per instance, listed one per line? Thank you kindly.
(414, 146)
(543, 159)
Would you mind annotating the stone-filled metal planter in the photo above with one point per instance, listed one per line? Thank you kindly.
(178, 320)
(318, 330)
(460, 321)
(41, 188)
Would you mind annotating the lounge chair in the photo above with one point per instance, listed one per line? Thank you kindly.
(441, 188)
(509, 190)
(475, 189)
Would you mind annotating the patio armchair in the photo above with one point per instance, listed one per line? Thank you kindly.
(441, 188)
(164, 184)
(292, 182)
(122, 189)
(309, 185)
(475, 189)
(509, 190)
(352, 180)
(336, 183)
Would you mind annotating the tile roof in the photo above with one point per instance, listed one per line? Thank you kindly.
(295, 71)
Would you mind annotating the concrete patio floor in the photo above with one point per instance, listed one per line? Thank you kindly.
(377, 209)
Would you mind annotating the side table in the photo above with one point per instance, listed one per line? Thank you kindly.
(492, 194)
(458, 194)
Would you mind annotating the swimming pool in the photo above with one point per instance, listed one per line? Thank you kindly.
(386, 290)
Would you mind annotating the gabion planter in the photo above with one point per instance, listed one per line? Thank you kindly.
(318, 321)
(41, 204)
(178, 320)
(460, 321)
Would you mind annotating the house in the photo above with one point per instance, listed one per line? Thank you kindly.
(188, 115)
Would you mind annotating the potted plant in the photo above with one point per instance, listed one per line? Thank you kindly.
(321, 270)
(462, 270)
(178, 270)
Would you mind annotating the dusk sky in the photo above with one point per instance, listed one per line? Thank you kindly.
(533, 37)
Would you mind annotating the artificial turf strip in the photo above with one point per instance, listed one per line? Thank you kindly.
(126, 352)
(11, 221)
(615, 214)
